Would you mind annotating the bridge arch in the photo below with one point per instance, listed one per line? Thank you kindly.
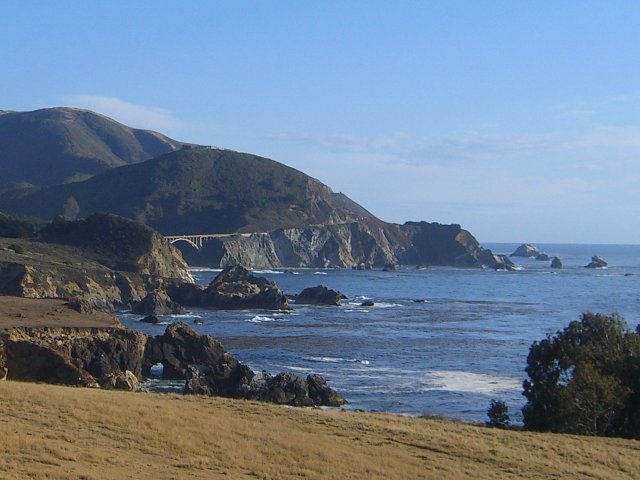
(184, 239)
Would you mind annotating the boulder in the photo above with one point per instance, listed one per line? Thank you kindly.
(556, 262)
(319, 295)
(389, 267)
(158, 302)
(543, 257)
(151, 319)
(596, 262)
(367, 303)
(526, 250)
(121, 381)
(422, 266)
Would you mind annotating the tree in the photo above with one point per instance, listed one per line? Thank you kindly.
(585, 379)
(498, 414)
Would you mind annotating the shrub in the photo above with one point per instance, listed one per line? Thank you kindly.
(498, 414)
(585, 379)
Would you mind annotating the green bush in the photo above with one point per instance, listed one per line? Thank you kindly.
(585, 379)
(498, 414)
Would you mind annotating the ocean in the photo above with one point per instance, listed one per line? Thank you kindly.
(442, 341)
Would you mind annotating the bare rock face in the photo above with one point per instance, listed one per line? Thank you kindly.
(39, 363)
(104, 262)
(319, 295)
(84, 357)
(368, 242)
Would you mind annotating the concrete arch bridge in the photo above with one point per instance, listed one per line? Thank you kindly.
(197, 240)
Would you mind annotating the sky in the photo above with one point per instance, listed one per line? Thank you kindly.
(519, 120)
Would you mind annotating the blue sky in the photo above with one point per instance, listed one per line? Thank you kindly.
(518, 120)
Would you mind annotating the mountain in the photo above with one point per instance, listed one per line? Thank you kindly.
(194, 190)
(56, 145)
(273, 215)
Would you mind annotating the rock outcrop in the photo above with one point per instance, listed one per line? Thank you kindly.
(319, 295)
(157, 303)
(543, 257)
(526, 250)
(596, 262)
(118, 358)
(209, 370)
(104, 262)
(234, 288)
(83, 356)
(556, 262)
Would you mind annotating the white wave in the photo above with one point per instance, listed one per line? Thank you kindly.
(271, 272)
(264, 318)
(386, 305)
(204, 269)
(320, 273)
(457, 381)
(325, 359)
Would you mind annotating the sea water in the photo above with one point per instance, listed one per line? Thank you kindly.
(441, 341)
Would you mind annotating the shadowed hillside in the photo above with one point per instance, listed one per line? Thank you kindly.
(195, 190)
(56, 145)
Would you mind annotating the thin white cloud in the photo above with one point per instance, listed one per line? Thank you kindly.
(139, 116)
(619, 145)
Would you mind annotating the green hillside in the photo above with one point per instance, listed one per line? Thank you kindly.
(194, 190)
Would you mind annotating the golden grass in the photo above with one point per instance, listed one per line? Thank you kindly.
(46, 312)
(64, 432)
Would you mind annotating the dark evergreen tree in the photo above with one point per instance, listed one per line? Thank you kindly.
(585, 379)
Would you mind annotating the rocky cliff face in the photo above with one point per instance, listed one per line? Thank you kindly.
(108, 261)
(362, 244)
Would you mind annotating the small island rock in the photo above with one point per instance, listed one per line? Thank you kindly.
(319, 295)
(543, 257)
(596, 262)
(526, 250)
(556, 262)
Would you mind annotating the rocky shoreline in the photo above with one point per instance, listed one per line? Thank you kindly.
(118, 358)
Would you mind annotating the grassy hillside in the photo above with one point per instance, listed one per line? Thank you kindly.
(65, 433)
(194, 190)
(54, 145)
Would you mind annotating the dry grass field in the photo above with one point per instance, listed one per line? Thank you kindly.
(71, 433)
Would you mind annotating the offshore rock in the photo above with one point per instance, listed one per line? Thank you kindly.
(233, 288)
(543, 257)
(596, 262)
(319, 295)
(526, 250)
(158, 303)
(556, 262)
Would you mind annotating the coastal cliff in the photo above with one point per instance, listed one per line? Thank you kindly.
(106, 261)
(363, 244)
